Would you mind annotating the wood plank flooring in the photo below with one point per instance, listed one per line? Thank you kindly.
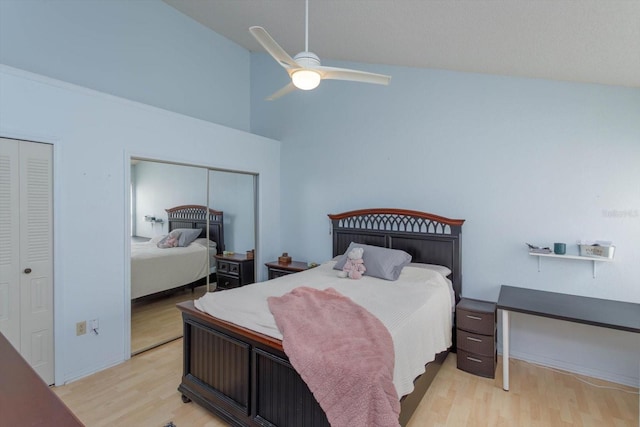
(156, 321)
(143, 392)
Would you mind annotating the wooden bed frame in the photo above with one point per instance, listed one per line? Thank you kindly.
(245, 377)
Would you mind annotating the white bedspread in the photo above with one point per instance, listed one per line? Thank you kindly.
(416, 309)
(154, 269)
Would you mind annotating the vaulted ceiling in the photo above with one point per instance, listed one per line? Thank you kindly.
(592, 41)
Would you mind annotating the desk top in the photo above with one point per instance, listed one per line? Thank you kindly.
(25, 400)
(620, 315)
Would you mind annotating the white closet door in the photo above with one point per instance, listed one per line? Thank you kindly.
(9, 242)
(31, 255)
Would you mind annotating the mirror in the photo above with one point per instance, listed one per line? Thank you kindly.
(233, 194)
(170, 200)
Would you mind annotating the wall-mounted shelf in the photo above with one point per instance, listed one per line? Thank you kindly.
(153, 219)
(577, 257)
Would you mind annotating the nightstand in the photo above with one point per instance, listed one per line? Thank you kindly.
(234, 271)
(476, 337)
(276, 269)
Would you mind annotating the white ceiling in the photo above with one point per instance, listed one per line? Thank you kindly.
(592, 41)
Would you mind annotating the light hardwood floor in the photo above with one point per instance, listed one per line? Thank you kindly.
(157, 321)
(143, 392)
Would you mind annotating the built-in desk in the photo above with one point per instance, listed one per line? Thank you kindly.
(25, 400)
(624, 316)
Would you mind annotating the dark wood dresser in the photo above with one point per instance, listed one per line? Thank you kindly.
(276, 269)
(25, 400)
(476, 337)
(233, 271)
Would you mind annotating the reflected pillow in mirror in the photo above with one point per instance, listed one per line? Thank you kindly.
(187, 235)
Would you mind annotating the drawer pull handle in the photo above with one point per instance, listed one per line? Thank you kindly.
(473, 359)
(474, 317)
(474, 339)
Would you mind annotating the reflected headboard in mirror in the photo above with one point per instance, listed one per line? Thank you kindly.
(195, 216)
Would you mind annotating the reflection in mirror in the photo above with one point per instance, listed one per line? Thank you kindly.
(164, 270)
(234, 194)
(166, 200)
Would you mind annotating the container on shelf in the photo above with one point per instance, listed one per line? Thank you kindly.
(596, 251)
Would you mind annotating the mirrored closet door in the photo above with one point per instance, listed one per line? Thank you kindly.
(234, 193)
(183, 219)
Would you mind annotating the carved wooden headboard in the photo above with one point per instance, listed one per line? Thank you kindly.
(428, 238)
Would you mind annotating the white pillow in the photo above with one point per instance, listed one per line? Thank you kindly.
(156, 239)
(203, 241)
(445, 271)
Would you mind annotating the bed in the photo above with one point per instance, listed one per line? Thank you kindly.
(155, 270)
(244, 376)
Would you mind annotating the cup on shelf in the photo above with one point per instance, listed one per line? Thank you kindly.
(559, 248)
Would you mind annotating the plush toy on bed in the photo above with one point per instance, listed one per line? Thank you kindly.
(171, 240)
(354, 267)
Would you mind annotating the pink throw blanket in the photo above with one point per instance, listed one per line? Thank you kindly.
(343, 353)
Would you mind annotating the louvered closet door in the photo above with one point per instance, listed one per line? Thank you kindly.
(31, 254)
(9, 242)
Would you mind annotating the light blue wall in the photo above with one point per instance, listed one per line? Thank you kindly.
(233, 193)
(522, 160)
(159, 186)
(143, 50)
(519, 159)
(94, 137)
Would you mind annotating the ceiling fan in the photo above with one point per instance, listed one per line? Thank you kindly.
(304, 69)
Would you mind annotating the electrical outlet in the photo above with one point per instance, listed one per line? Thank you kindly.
(81, 328)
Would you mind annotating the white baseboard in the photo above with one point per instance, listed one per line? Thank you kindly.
(577, 369)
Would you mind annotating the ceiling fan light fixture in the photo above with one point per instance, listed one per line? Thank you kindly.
(306, 79)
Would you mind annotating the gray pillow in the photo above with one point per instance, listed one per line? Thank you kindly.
(187, 235)
(380, 262)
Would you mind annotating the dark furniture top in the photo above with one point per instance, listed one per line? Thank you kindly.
(428, 238)
(195, 216)
(25, 400)
(277, 269)
(624, 316)
(295, 266)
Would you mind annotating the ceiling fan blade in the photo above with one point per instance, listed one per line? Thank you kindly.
(274, 49)
(285, 90)
(353, 75)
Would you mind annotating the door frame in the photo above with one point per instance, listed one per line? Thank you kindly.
(128, 157)
(57, 285)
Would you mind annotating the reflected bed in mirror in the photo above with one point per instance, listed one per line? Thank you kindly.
(155, 269)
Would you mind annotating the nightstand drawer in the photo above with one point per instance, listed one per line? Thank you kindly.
(227, 282)
(275, 273)
(230, 268)
(476, 343)
(485, 366)
(473, 321)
